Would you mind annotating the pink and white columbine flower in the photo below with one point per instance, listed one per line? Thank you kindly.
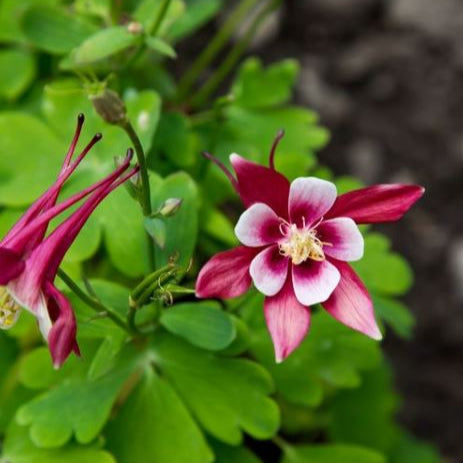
(296, 241)
(29, 260)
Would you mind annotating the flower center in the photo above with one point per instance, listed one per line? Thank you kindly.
(9, 309)
(301, 244)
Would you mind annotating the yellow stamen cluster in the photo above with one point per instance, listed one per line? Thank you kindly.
(9, 309)
(302, 244)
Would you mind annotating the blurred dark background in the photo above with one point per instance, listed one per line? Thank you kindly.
(386, 77)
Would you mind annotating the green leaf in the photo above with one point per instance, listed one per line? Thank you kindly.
(18, 72)
(10, 13)
(217, 225)
(330, 454)
(374, 405)
(112, 295)
(256, 87)
(330, 354)
(293, 165)
(103, 44)
(176, 126)
(161, 46)
(156, 229)
(227, 454)
(76, 406)
(204, 324)
(105, 357)
(182, 228)
(54, 30)
(396, 314)
(198, 12)
(253, 132)
(28, 164)
(100, 8)
(148, 11)
(18, 448)
(36, 369)
(381, 270)
(227, 396)
(154, 425)
(410, 449)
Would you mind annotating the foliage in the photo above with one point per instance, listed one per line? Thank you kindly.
(194, 377)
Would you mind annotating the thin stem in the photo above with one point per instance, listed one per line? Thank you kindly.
(152, 31)
(160, 18)
(131, 319)
(214, 47)
(148, 280)
(145, 184)
(233, 56)
(92, 303)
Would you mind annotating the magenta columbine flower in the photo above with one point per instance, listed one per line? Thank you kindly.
(29, 259)
(297, 239)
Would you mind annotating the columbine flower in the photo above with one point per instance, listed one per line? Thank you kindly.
(296, 241)
(29, 260)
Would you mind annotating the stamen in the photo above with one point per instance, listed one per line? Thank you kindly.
(302, 244)
(9, 310)
(275, 144)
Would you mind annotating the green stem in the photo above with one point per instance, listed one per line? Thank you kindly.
(153, 30)
(145, 184)
(232, 58)
(148, 281)
(92, 303)
(160, 18)
(150, 288)
(214, 47)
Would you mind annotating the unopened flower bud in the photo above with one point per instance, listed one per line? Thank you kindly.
(170, 207)
(109, 106)
(134, 27)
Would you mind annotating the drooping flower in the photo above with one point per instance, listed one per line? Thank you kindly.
(29, 259)
(296, 241)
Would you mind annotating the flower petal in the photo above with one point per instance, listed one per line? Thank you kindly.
(259, 184)
(258, 226)
(342, 237)
(377, 203)
(11, 265)
(309, 199)
(268, 270)
(351, 304)
(226, 275)
(62, 336)
(314, 281)
(287, 320)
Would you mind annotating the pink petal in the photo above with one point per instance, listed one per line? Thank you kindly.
(62, 336)
(259, 184)
(342, 237)
(314, 281)
(258, 226)
(46, 258)
(287, 320)
(269, 270)
(11, 265)
(377, 203)
(351, 304)
(310, 198)
(28, 294)
(226, 275)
